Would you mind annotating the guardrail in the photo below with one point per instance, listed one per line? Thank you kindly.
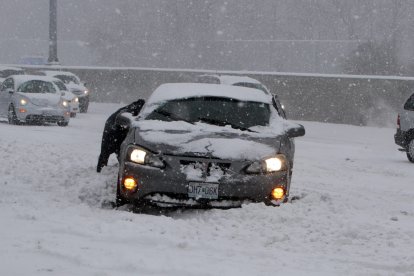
(348, 99)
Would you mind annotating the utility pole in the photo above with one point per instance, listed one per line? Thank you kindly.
(53, 59)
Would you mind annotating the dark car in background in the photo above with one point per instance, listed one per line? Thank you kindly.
(404, 137)
(7, 71)
(207, 145)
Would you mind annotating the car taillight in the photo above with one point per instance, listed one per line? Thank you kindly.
(398, 121)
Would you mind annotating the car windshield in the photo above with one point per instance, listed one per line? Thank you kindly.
(37, 86)
(60, 85)
(67, 79)
(214, 110)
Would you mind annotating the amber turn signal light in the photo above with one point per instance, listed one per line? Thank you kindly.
(278, 193)
(130, 183)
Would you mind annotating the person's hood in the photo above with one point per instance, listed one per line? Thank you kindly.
(42, 99)
(204, 140)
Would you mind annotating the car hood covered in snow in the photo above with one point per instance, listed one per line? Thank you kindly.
(204, 140)
(42, 99)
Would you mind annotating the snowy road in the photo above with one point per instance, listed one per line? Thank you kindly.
(356, 214)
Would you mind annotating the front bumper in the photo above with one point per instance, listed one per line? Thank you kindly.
(169, 186)
(43, 114)
(400, 138)
(74, 107)
(84, 101)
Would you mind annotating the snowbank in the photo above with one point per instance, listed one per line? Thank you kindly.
(355, 214)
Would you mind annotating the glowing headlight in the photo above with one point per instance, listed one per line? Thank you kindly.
(138, 156)
(86, 91)
(273, 164)
(143, 157)
(65, 103)
(76, 99)
(23, 101)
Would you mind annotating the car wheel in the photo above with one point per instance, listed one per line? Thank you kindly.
(63, 124)
(12, 117)
(410, 151)
(119, 200)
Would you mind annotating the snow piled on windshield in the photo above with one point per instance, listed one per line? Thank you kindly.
(188, 137)
(173, 91)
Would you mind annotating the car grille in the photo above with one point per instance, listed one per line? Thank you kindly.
(206, 165)
(77, 92)
(44, 118)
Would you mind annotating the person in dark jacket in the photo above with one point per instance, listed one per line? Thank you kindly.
(114, 134)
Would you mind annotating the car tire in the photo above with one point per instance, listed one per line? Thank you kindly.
(12, 117)
(410, 151)
(63, 124)
(119, 200)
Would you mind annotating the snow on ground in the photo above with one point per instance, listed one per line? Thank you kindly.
(355, 215)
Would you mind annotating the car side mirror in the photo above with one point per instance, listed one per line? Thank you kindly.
(63, 93)
(296, 131)
(84, 84)
(123, 121)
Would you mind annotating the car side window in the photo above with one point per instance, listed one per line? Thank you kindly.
(409, 104)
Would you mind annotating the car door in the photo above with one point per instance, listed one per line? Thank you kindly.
(407, 116)
(5, 96)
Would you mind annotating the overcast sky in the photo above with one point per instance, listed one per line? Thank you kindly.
(306, 35)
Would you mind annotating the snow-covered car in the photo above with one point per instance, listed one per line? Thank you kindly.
(405, 129)
(74, 85)
(206, 145)
(32, 99)
(243, 81)
(71, 98)
(6, 71)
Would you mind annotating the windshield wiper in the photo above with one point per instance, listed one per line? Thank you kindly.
(223, 123)
(172, 116)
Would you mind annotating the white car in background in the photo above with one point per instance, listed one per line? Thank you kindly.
(7, 71)
(71, 98)
(74, 85)
(243, 81)
(32, 99)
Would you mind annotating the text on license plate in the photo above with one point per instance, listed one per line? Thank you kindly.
(203, 190)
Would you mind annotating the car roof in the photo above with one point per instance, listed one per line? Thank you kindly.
(20, 79)
(172, 91)
(53, 73)
(232, 79)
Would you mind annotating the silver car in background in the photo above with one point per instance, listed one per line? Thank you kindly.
(206, 145)
(32, 99)
(68, 96)
(74, 85)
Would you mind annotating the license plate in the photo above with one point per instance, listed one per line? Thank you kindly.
(203, 190)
